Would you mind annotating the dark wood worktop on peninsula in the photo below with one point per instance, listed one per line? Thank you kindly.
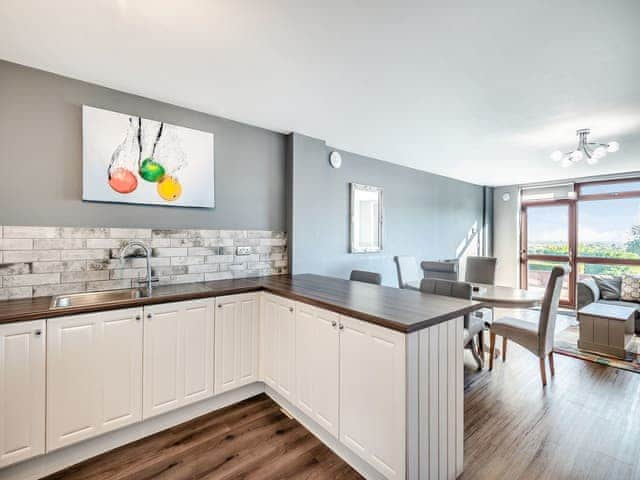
(402, 310)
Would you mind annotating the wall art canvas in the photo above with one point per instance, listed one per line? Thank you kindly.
(130, 159)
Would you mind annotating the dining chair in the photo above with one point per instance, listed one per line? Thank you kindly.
(473, 326)
(444, 269)
(535, 331)
(407, 268)
(481, 270)
(365, 277)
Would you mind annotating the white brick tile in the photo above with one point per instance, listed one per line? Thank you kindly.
(187, 260)
(220, 259)
(15, 292)
(105, 243)
(204, 268)
(31, 256)
(14, 269)
(209, 233)
(134, 273)
(195, 251)
(31, 232)
(210, 277)
(161, 242)
(70, 277)
(52, 267)
(169, 252)
(130, 233)
(273, 241)
(30, 279)
(80, 232)
(85, 254)
(57, 243)
(16, 244)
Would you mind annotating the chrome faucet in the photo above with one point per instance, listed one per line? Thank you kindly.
(147, 254)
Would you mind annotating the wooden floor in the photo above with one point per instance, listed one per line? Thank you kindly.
(249, 440)
(584, 425)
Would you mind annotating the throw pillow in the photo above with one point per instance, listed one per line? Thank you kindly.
(630, 288)
(610, 286)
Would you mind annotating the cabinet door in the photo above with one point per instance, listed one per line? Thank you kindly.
(277, 331)
(236, 341)
(22, 391)
(285, 347)
(196, 349)
(94, 374)
(317, 365)
(372, 394)
(178, 355)
(268, 327)
(161, 378)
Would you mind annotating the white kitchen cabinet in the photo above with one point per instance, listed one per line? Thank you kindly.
(236, 341)
(94, 374)
(178, 355)
(277, 351)
(22, 390)
(318, 365)
(372, 394)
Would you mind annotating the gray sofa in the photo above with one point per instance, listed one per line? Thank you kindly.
(589, 292)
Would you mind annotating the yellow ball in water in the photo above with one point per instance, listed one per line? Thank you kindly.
(169, 188)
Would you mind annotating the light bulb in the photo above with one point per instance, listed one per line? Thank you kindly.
(566, 162)
(599, 152)
(556, 156)
(577, 155)
(613, 147)
(593, 160)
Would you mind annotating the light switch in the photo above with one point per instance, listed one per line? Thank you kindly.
(243, 251)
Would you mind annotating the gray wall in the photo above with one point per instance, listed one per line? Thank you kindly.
(426, 215)
(41, 160)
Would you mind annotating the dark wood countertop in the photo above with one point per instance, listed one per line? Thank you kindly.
(402, 310)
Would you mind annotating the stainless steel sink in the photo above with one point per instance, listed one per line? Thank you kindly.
(97, 298)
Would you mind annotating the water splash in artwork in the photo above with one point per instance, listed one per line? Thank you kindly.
(123, 163)
(153, 150)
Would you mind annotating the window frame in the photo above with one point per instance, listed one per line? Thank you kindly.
(574, 258)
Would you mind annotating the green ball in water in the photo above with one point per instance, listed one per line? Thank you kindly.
(151, 171)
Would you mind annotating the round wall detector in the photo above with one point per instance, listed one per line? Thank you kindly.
(335, 159)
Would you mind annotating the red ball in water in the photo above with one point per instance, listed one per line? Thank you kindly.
(123, 180)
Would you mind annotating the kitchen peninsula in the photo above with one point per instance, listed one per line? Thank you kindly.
(374, 372)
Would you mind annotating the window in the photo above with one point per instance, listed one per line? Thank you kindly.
(597, 234)
(609, 188)
(609, 228)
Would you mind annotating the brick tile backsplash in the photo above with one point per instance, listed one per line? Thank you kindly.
(43, 261)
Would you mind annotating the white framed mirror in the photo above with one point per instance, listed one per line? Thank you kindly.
(366, 218)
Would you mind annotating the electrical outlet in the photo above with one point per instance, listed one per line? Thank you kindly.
(243, 251)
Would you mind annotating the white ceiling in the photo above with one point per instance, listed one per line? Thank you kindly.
(477, 90)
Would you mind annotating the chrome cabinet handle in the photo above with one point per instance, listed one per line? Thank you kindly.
(219, 305)
(291, 309)
(37, 333)
(334, 323)
(341, 327)
(138, 317)
(149, 316)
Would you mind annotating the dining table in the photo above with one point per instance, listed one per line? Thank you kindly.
(500, 296)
